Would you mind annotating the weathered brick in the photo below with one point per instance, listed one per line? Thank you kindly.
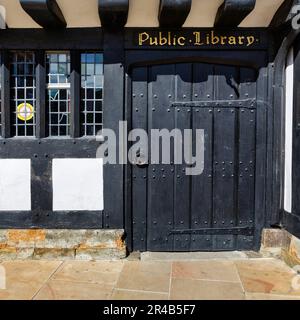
(12, 253)
(103, 254)
(75, 238)
(54, 254)
(3, 237)
(274, 238)
(25, 238)
(294, 249)
(62, 244)
(289, 259)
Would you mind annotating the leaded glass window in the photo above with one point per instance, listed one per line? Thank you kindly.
(58, 92)
(23, 93)
(91, 93)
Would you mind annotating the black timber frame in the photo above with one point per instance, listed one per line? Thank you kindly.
(284, 14)
(279, 218)
(114, 45)
(291, 220)
(113, 112)
(173, 13)
(39, 41)
(232, 12)
(113, 13)
(45, 12)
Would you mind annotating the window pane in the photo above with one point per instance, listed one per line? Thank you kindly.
(58, 71)
(23, 93)
(91, 93)
(62, 58)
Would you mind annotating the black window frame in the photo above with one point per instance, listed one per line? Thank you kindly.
(22, 128)
(76, 41)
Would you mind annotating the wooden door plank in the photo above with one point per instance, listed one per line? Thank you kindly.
(201, 198)
(182, 182)
(160, 188)
(139, 174)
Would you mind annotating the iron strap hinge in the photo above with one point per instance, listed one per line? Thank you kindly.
(246, 231)
(246, 104)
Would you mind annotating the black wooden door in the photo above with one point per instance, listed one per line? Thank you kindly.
(172, 211)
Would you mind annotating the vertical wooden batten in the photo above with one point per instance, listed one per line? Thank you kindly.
(232, 12)
(5, 94)
(113, 14)
(40, 94)
(75, 94)
(46, 13)
(173, 13)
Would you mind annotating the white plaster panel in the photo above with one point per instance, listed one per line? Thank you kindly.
(77, 184)
(16, 17)
(143, 13)
(15, 185)
(79, 13)
(289, 102)
(203, 13)
(262, 14)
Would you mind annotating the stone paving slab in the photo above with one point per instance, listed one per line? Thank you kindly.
(176, 256)
(205, 270)
(188, 289)
(268, 277)
(210, 279)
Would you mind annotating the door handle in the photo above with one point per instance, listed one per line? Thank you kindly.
(141, 160)
(141, 163)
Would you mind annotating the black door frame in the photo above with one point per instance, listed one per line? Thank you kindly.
(258, 60)
(291, 220)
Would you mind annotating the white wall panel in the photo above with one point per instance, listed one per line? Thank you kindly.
(203, 13)
(16, 17)
(15, 185)
(143, 13)
(80, 13)
(262, 14)
(289, 91)
(77, 184)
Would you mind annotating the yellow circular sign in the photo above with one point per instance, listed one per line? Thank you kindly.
(25, 111)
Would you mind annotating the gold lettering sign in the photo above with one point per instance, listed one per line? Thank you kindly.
(196, 39)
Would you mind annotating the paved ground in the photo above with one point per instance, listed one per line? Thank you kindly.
(234, 279)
